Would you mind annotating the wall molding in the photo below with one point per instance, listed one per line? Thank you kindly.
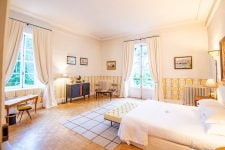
(212, 12)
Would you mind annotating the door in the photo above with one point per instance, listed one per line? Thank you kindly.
(141, 83)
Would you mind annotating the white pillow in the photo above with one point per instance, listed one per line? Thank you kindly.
(217, 129)
(215, 114)
(208, 102)
(211, 112)
(221, 94)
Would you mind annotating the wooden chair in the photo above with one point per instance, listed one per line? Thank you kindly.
(23, 108)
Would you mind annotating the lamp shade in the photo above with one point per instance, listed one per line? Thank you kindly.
(211, 83)
(214, 53)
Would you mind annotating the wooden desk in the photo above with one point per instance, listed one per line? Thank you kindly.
(19, 100)
(98, 92)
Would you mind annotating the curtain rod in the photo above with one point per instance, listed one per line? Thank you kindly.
(30, 24)
(141, 38)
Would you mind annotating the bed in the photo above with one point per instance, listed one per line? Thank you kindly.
(162, 126)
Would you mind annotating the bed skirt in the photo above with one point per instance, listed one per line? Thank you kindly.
(160, 144)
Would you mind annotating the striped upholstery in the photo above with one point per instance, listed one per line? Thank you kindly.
(117, 113)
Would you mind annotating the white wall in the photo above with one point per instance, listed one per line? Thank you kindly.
(186, 40)
(216, 28)
(216, 31)
(66, 44)
(183, 40)
(190, 40)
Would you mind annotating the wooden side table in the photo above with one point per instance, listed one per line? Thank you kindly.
(197, 98)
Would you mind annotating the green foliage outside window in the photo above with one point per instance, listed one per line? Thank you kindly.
(24, 71)
(140, 76)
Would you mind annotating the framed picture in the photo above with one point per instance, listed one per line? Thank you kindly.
(184, 62)
(83, 61)
(71, 60)
(222, 59)
(111, 65)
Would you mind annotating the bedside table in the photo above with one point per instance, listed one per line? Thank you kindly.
(197, 98)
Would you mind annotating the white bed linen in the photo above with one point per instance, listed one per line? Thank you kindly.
(176, 123)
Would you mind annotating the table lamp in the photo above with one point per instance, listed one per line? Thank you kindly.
(211, 83)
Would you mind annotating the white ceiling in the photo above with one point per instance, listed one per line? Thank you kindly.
(110, 18)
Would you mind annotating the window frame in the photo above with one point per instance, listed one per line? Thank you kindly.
(22, 53)
(132, 83)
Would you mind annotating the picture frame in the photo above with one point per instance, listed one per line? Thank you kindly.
(83, 61)
(222, 59)
(184, 62)
(71, 60)
(111, 65)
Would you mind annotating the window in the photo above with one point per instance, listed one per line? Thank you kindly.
(140, 75)
(24, 74)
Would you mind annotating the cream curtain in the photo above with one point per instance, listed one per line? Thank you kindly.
(128, 53)
(43, 60)
(154, 58)
(14, 36)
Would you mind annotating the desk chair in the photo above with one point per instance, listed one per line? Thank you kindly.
(23, 108)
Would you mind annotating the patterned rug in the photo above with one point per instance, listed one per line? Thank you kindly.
(92, 126)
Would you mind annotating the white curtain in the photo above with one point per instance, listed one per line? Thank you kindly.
(154, 58)
(128, 54)
(14, 37)
(43, 61)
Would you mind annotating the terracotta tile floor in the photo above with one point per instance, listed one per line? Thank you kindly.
(45, 131)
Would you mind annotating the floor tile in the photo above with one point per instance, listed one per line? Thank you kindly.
(106, 122)
(90, 124)
(110, 133)
(117, 140)
(111, 146)
(79, 130)
(99, 128)
(89, 135)
(70, 125)
(101, 141)
(99, 118)
(80, 120)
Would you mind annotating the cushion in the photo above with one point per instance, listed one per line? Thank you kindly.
(208, 102)
(24, 107)
(117, 113)
(221, 94)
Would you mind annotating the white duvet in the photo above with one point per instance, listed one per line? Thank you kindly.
(176, 123)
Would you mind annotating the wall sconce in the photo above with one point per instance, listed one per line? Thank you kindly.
(214, 54)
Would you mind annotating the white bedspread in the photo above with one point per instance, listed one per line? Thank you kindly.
(176, 123)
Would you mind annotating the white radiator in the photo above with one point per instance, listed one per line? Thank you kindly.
(191, 91)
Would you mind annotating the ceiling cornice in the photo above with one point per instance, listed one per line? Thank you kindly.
(158, 29)
(63, 28)
(54, 25)
(212, 12)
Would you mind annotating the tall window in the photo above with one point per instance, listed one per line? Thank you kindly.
(140, 76)
(24, 74)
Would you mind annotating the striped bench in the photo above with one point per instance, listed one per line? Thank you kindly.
(116, 114)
